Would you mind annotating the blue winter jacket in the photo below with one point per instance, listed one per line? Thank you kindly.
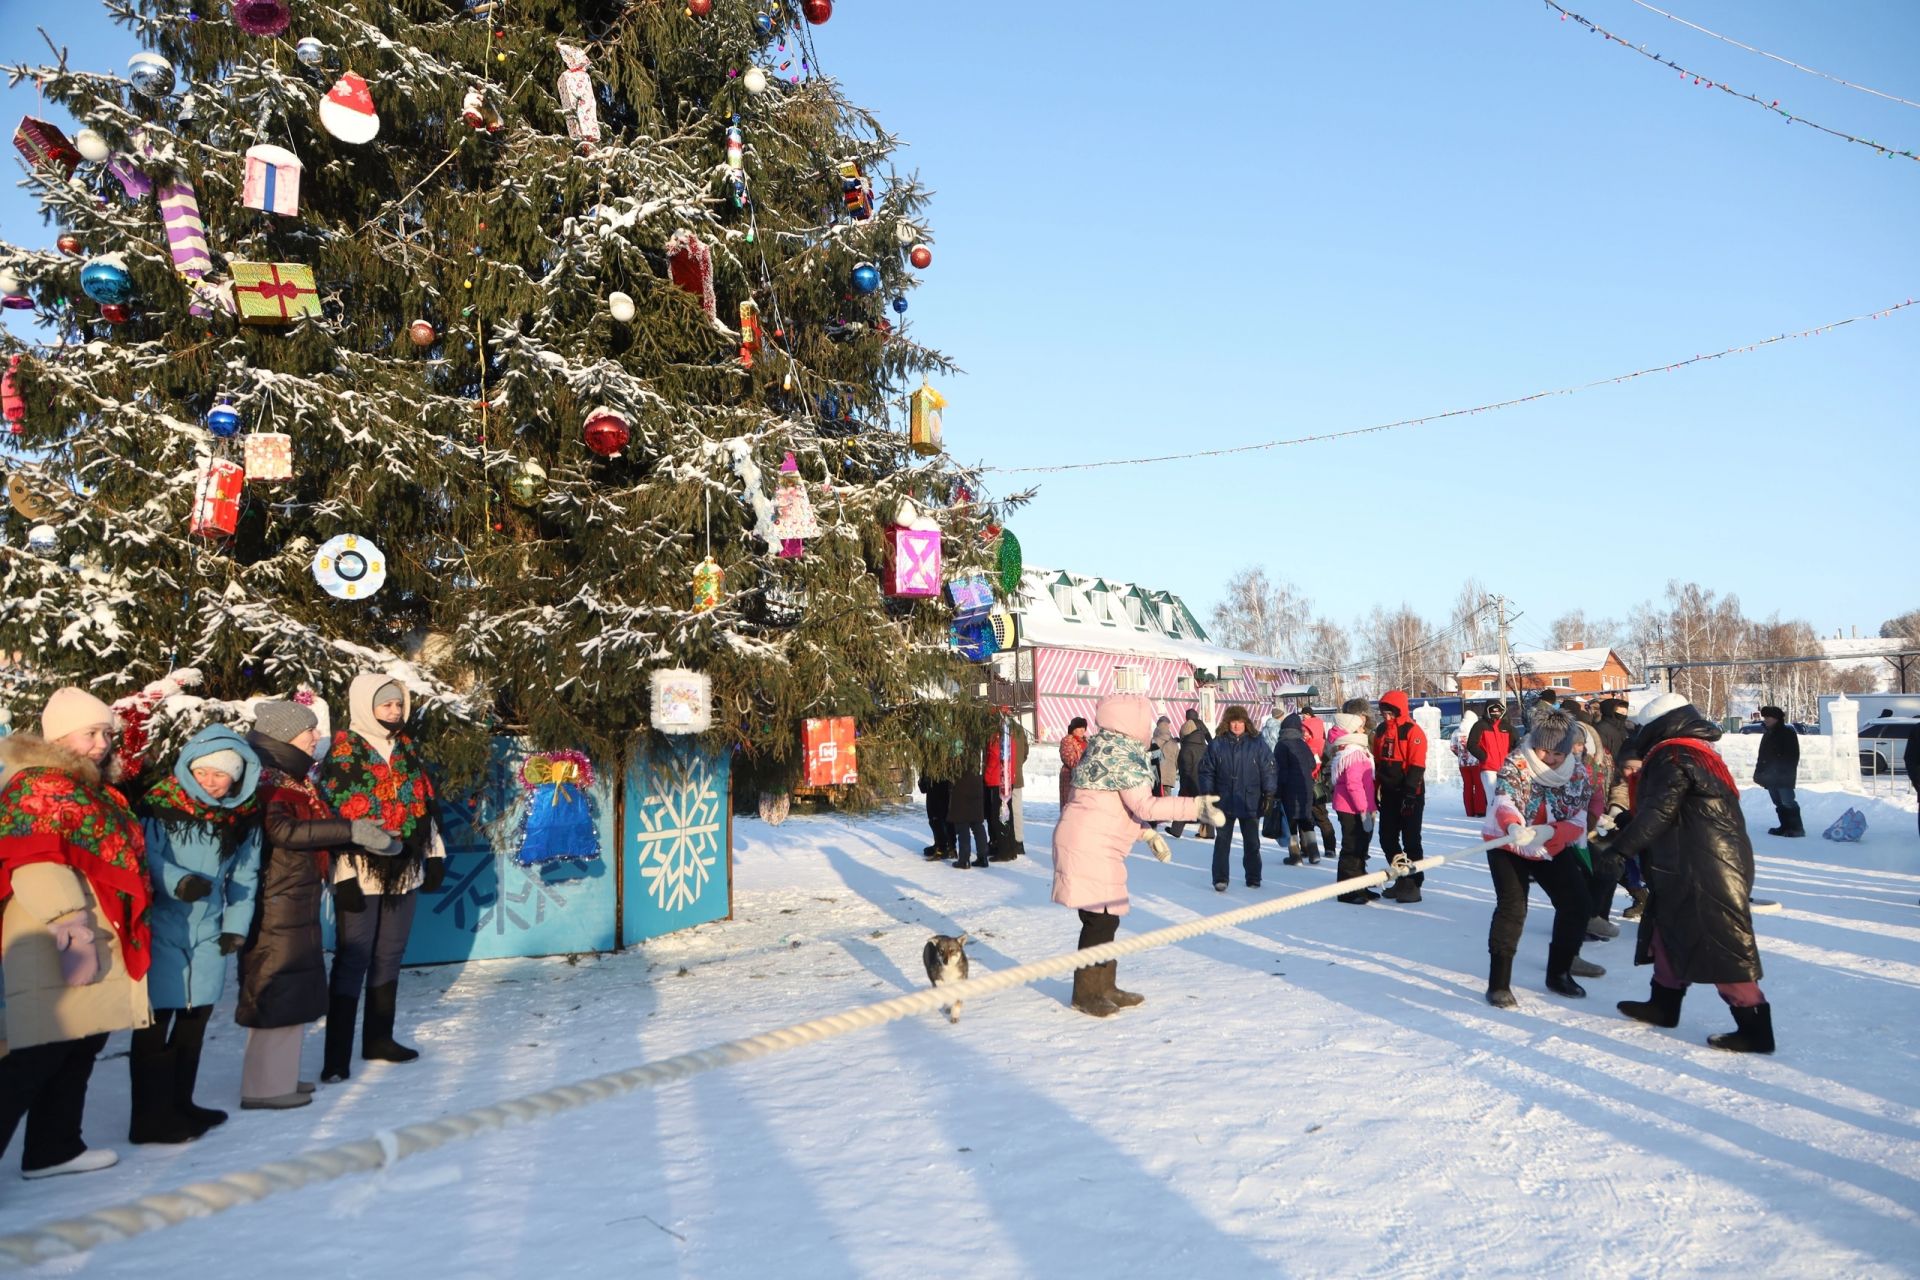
(188, 969)
(1239, 770)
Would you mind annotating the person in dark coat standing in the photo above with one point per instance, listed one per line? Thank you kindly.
(939, 795)
(1005, 774)
(1400, 771)
(1240, 770)
(1193, 749)
(1316, 730)
(1163, 755)
(283, 965)
(1687, 825)
(1294, 767)
(967, 813)
(1778, 770)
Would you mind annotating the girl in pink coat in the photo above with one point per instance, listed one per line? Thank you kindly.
(1353, 796)
(1112, 796)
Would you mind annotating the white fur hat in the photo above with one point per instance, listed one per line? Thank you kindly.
(1652, 711)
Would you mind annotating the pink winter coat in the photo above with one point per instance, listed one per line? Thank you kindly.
(1353, 790)
(1097, 828)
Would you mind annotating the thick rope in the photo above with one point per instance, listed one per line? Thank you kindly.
(203, 1199)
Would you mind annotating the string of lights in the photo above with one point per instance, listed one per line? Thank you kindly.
(1674, 17)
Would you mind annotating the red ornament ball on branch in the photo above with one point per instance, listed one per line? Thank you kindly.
(422, 333)
(607, 432)
(69, 244)
(115, 312)
(921, 257)
(817, 11)
(699, 8)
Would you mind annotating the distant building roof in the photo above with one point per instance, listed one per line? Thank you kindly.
(1075, 611)
(1536, 661)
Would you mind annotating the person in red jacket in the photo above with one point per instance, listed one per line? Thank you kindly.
(1488, 744)
(1400, 771)
(1006, 759)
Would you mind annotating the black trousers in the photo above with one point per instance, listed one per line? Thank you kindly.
(1564, 880)
(368, 944)
(1097, 928)
(1223, 845)
(1401, 813)
(1355, 840)
(938, 794)
(1325, 824)
(47, 1083)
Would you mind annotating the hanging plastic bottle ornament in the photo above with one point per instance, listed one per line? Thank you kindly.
(620, 306)
(708, 578)
(261, 17)
(150, 74)
(900, 306)
(422, 333)
(736, 165)
(817, 11)
(866, 277)
(755, 81)
(105, 279)
(224, 420)
(921, 257)
(91, 145)
(310, 51)
(607, 432)
(70, 244)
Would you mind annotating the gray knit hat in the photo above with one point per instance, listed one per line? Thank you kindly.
(389, 692)
(1551, 731)
(283, 721)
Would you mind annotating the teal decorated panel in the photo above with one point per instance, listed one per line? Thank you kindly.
(678, 871)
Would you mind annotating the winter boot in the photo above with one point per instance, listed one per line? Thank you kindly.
(1780, 812)
(1500, 983)
(1293, 850)
(1584, 968)
(1404, 890)
(1794, 829)
(189, 1033)
(376, 1041)
(151, 1067)
(1639, 907)
(1753, 1031)
(337, 1064)
(1310, 846)
(934, 853)
(1661, 1008)
(1090, 986)
(1562, 984)
(1601, 929)
(1121, 999)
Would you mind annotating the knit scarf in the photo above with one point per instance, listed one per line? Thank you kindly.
(1541, 776)
(47, 815)
(1114, 762)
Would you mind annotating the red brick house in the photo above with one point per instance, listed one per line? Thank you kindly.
(1579, 669)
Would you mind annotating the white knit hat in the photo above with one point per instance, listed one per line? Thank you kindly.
(1660, 706)
(72, 710)
(226, 761)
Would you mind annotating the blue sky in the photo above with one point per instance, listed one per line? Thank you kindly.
(1165, 227)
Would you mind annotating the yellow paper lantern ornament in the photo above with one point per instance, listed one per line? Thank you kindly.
(925, 424)
(708, 578)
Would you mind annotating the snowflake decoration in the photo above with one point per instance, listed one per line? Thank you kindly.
(679, 829)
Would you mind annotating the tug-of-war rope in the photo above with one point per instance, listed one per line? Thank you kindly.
(156, 1212)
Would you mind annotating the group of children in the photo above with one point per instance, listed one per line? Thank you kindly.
(122, 901)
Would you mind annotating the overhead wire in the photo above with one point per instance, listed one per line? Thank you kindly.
(1674, 17)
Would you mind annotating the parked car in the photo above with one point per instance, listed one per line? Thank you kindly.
(1756, 726)
(1883, 745)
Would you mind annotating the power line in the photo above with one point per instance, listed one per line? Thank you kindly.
(1671, 17)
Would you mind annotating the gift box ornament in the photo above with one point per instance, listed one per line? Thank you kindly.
(45, 145)
(268, 456)
(924, 421)
(577, 103)
(971, 593)
(832, 758)
(682, 700)
(974, 638)
(856, 190)
(913, 563)
(272, 180)
(216, 499)
(274, 293)
(12, 404)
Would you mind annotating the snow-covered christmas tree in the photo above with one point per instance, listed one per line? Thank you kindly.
(465, 334)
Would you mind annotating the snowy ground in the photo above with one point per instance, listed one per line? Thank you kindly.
(1324, 1093)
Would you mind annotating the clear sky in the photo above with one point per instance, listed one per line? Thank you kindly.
(1175, 227)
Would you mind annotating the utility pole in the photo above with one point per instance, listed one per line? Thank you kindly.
(1500, 605)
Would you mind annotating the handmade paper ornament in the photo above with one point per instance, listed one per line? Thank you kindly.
(607, 432)
(26, 503)
(91, 145)
(754, 81)
(348, 567)
(708, 579)
(793, 511)
(557, 823)
(479, 113)
(691, 265)
(913, 563)
(866, 277)
(132, 178)
(310, 51)
(347, 111)
(577, 104)
(13, 295)
(1006, 629)
(13, 405)
(43, 540)
(526, 486)
(921, 256)
(817, 11)
(45, 146)
(268, 457)
(856, 190)
(971, 593)
(421, 333)
(69, 244)
(832, 756)
(682, 700)
(150, 74)
(216, 499)
(261, 17)
(925, 419)
(186, 234)
(271, 183)
(620, 306)
(105, 279)
(274, 293)
(1008, 562)
(749, 331)
(224, 420)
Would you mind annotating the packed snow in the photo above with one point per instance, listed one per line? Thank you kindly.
(1324, 1092)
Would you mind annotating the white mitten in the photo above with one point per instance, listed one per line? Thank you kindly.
(1604, 827)
(1157, 843)
(1521, 836)
(1208, 811)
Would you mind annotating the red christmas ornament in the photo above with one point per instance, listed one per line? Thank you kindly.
(69, 243)
(607, 432)
(115, 312)
(817, 11)
(421, 331)
(699, 8)
(921, 257)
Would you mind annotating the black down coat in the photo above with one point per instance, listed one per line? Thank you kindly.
(1293, 759)
(1698, 861)
(1779, 762)
(283, 968)
(1193, 749)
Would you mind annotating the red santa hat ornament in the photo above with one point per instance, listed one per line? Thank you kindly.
(347, 111)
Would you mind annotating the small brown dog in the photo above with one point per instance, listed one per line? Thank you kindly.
(946, 959)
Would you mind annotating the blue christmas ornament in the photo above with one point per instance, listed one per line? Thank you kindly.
(764, 21)
(866, 277)
(900, 305)
(223, 420)
(106, 281)
(830, 405)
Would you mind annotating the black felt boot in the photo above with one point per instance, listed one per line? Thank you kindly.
(1090, 991)
(1753, 1031)
(377, 1043)
(337, 1064)
(1500, 983)
(189, 1033)
(151, 1067)
(1121, 999)
(1661, 1008)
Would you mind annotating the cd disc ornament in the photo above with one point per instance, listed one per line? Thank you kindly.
(349, 567)
(607, 432)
